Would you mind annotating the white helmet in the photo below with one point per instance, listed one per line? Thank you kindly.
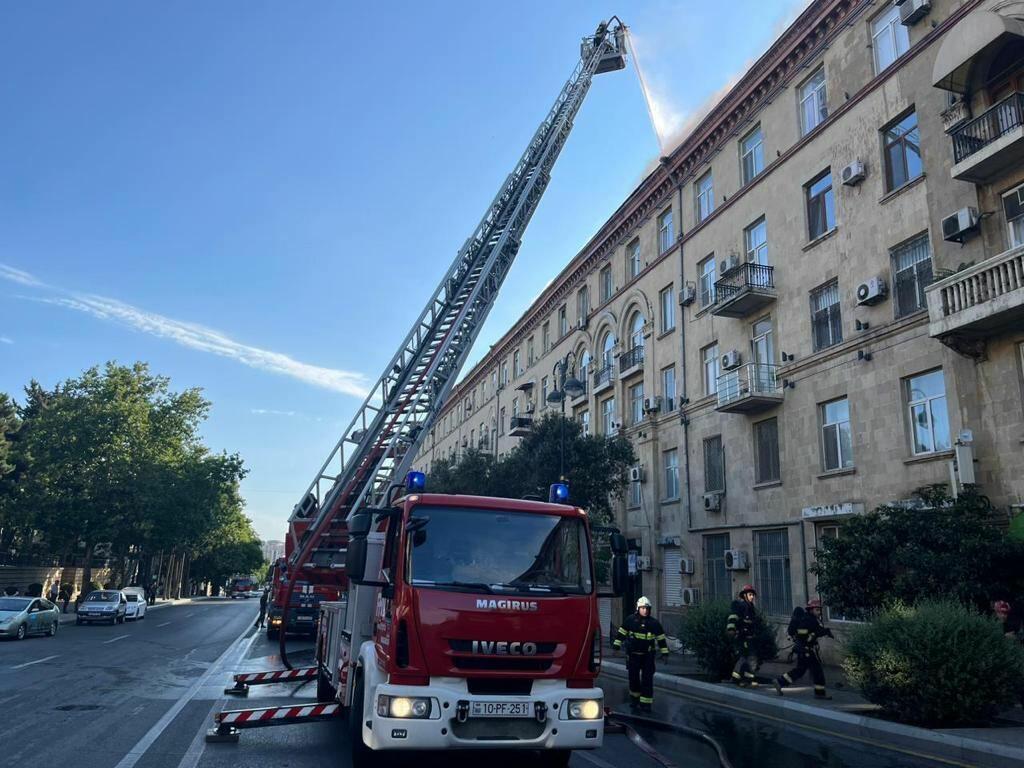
(643, 602)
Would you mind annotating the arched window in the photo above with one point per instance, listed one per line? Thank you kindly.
(607, 348)
(584, 365)
(636, 331)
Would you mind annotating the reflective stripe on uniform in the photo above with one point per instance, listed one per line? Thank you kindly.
(646, 700)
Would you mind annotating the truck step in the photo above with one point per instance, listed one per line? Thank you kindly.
(243, 681)
(230, 722)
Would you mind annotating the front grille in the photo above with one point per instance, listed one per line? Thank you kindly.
(496, 686)
(503, 663)
(498, 729)
(466, 646)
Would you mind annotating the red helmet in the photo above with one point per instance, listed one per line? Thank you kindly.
(1001, 606)
(748, 588)
(814, 603)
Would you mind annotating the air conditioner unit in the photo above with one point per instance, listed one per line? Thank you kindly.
(688, 295)
(636, 474)
(958, 226)
(652, 404)
(731, 359)
(735, 560)
(912, 11)
(691, 596)
(712, 501)
(686, 565)
(729, 264)
(871, 291)
(581, 323)
(853, 173)
(643, 563)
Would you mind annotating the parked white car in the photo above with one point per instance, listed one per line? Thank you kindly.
(136, 607)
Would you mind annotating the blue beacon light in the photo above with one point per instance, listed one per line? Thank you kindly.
(415, 482)
(559, 493)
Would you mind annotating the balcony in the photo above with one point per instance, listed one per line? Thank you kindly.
(750, 388)
(985, 146)
(582, 396)
(744, 290)
(979, 300)
(631, 361)
(520, 426)
(603, 378)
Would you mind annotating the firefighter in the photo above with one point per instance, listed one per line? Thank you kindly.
(805, 629)
(744, 621)
(644, 637)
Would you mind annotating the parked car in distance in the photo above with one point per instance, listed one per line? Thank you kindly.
(24, 616)
(106, 605)
(135, 609)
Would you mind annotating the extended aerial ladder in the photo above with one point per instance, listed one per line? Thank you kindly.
(385, 433)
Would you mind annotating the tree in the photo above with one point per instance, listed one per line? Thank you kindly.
(944, 548)
(596, 468)
(10, 466)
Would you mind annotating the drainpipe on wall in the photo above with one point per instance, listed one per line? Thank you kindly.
(681, 387)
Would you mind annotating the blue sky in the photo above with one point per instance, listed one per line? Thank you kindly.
(257, 198)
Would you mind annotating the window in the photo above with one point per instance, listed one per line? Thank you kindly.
(563, 322)
(545, 338)
(670, 460)
(516, 363)
(504, 374)
(751, 155)
(544, 392)
(707, 281)
(608, 351)
(902, 147)
(585, 422)
(666, 237)
(766, 451)
(501, 422)
(709, 358)
(714, 464)
(826, 318)
(608, 416)
(633, 265)
(635, 493)
(515, 407)
(607, 287)
(668, 388)
(889, 38)
(755, 238)
(585, 367)
(582, 305)
(531, 358)
(912, 271)
(672, 577)
(668, 309)
(821, 214)
(813, 102)
(636, 331)
(772, 576)
(717, 584)
(705, 196)
(836, 441)
(1013, 207)
(636, 403)
(929, 419)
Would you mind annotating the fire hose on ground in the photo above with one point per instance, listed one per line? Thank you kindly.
(615, 720)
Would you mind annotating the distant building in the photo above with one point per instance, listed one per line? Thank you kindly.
(272, 550)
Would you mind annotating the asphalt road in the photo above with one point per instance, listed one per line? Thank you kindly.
(142, 695)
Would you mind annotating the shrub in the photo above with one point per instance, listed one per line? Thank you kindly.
(935, 664)
(35, 590)
(703, 634)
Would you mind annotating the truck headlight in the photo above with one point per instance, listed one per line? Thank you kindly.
(403, 707)
(584, 709)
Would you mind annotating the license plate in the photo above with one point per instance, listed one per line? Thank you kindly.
(500, 709)
(305, 618)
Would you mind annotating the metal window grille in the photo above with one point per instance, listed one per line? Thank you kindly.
(772, 575)
(714, 464)
(826, 316)
(717, 584)
(766, 440)
(912, 270)
(672, 578)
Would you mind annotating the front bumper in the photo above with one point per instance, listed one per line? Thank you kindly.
(10, 630)
(443, 730)
(97, 616)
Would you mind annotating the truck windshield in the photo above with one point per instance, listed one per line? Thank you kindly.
(497, 551)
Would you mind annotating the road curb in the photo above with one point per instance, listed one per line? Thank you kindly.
(902, 737)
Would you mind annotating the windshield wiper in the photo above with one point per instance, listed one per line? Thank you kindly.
(537, 587)
(477, 585)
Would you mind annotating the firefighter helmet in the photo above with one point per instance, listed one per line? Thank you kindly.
(748, 588)
(1001, 606)
(814, 603)
(643, 602)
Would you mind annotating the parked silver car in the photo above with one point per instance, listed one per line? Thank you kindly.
(24, 616)
(106, 605)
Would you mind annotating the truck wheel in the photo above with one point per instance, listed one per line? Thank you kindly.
(362, 755)
(324, 689)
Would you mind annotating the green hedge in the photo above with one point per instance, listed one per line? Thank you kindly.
(703, 634)
(935, 664)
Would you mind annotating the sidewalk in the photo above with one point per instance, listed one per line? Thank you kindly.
(848, 714)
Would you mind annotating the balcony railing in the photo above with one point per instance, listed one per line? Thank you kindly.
(996, 121)
(751, 387)
(583, 379)
(603, 376)
(519, 426)
(631, 358)
(744, 290)
(983, 297)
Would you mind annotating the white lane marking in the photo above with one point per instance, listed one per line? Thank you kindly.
(135, 753)
(163, 625)
(37, 661)
(115, 639)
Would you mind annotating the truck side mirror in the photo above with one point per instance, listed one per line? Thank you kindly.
(618, 543)
(620, 574)
(355, 558)
(360, 523)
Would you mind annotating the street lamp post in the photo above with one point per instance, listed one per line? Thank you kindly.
(566, 383)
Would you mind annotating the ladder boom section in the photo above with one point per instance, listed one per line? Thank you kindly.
(384, 436)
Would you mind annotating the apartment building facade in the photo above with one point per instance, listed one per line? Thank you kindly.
(812, 307)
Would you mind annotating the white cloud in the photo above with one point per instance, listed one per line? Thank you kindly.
(271, 412)
(6, 340)
(196, 337)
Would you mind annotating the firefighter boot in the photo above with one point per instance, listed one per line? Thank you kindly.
(821, 693)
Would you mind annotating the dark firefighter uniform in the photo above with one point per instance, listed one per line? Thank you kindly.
(742, 625)
(805, 629)
(643, 637)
